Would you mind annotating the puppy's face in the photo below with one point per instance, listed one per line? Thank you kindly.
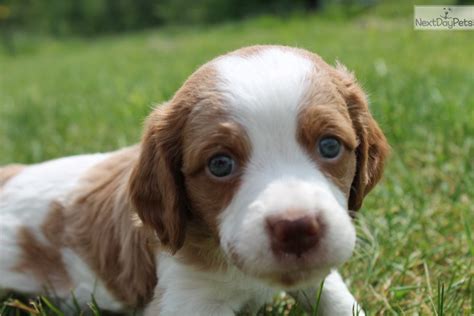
(268, 148)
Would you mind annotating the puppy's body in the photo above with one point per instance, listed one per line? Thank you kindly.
(38, 257)
(277, 218)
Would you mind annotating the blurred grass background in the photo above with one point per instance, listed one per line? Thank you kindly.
(73, 90)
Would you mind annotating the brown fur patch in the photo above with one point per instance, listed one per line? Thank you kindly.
(53, 226)
(321, 120)
(373, 148)
(157, 187)
(8, 172)
(201, 249)
(157, 184)
(100, 228)
(207, 134)
(44, 262)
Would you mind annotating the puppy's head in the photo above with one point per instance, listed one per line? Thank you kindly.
(269, 149)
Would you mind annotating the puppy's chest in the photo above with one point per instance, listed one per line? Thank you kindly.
(178, 281)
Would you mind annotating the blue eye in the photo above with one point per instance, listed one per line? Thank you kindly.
(329, 147)
(221, 165)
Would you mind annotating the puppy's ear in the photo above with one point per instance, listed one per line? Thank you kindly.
(156, 184)
(373, 148)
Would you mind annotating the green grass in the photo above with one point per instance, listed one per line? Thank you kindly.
(416, 243)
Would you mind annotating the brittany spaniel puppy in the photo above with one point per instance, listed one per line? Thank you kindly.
(244, 184)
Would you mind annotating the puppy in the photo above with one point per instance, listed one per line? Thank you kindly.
(243, 184)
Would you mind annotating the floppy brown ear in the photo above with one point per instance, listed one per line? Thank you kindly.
(156, 184)
(373, 148)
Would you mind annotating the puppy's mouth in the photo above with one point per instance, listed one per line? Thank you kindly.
(285, 271)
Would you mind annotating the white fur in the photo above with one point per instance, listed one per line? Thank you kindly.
(25, 201)
(336, 298)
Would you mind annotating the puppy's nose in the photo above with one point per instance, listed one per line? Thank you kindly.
(294, 236)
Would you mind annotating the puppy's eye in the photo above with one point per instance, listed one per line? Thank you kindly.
(329, 147)
(221, 165)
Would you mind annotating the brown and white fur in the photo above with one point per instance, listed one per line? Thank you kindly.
(148, 226)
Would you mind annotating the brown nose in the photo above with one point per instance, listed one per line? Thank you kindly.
(294, 236)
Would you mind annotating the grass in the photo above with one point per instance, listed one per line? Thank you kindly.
(416, 246)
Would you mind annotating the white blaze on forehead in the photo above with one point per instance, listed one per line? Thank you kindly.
(269, 83)
(263, 92)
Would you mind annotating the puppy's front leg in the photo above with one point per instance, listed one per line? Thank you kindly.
(335, 299)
